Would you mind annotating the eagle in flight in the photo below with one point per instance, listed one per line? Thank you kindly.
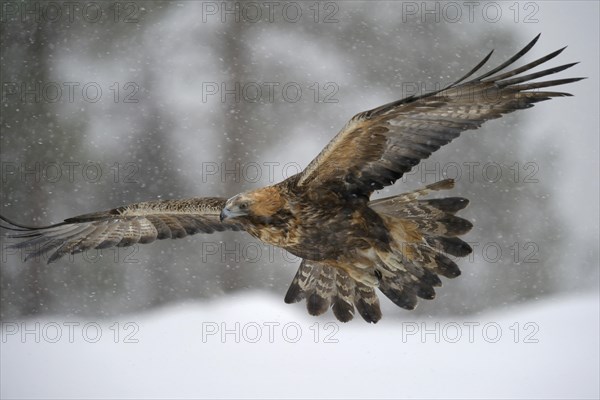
(350, 245)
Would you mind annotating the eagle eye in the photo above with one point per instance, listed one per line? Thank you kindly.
(243, 206)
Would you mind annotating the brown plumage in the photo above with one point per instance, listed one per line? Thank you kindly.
(350, 245)
(124, 226)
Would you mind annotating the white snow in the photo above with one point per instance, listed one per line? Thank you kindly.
(272, 352)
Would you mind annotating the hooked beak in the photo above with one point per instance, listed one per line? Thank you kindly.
(227, 213)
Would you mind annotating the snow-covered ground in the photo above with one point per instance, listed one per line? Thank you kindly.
(251, 345)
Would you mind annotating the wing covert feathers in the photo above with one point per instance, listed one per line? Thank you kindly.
(378, 146)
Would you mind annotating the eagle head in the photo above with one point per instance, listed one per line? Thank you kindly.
(264, 202)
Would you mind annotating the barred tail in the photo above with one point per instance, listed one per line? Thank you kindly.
(324, 286)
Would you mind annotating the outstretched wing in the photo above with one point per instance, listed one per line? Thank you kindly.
(124, 226)
(378, 146)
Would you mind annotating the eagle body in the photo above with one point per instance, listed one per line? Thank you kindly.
(350, 244)
(317, 225)
(321, 226)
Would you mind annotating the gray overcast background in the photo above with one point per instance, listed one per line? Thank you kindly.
(161, 128)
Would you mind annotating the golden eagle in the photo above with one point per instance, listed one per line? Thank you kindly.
(350, 245)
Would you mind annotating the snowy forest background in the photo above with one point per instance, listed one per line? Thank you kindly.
(159, 131)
